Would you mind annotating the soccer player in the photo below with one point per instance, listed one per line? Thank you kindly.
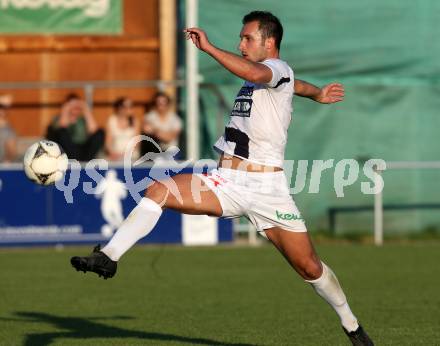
(250, 179)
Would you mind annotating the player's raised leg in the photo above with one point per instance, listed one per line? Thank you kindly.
(180, 193)
(298, 250)
(186, 193)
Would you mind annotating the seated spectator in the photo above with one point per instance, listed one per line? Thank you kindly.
(122, 126)
(161, 124)
(8, 138)
(76, 130)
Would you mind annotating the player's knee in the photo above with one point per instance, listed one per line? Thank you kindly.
(156, 192)
(312, 269)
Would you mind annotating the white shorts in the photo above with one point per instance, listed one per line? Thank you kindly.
(264, 198)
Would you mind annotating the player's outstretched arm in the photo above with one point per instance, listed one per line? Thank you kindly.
(330, 93)
(245, 69)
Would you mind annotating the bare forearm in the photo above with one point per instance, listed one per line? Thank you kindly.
(108, 141)
(245, 69)
(11, 149)
(92, 128)
(91, 124)
(305, 89)
(241, 67)
(330, 93)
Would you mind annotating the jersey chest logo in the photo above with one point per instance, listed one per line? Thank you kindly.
(243, 102)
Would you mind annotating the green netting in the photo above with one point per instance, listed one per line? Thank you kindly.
(386, 54)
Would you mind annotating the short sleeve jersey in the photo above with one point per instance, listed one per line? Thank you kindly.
(260, 117)
(171, 123)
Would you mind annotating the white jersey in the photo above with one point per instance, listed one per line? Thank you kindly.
(257, 129)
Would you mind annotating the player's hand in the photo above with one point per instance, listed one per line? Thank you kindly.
(331, 93)
(199, 38)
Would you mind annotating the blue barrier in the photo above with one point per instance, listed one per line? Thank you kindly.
(31, 214)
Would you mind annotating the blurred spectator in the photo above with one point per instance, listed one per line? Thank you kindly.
(161, 124)
(8, 138)
(122, 126)
(76, 130)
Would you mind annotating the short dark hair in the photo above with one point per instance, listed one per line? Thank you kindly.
(162, 94)
(269, 25)
(119, 103)
(71, 96)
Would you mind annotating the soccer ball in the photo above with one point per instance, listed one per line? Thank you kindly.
(45, 162)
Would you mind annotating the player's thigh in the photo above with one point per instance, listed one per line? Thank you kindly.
(186, 193)
(298, 250)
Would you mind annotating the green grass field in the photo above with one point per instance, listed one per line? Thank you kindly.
(217, 296)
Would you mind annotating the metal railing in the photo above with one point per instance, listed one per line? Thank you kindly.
(378, 198)
(90, 86)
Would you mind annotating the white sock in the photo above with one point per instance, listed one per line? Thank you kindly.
(328, 287)
(137, 225)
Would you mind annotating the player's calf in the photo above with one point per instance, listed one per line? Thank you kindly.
(137, 225)
(298, 250)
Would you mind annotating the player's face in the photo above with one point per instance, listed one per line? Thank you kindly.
(75, 110)
(252, 43)
(162, 104)
(126, 108)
